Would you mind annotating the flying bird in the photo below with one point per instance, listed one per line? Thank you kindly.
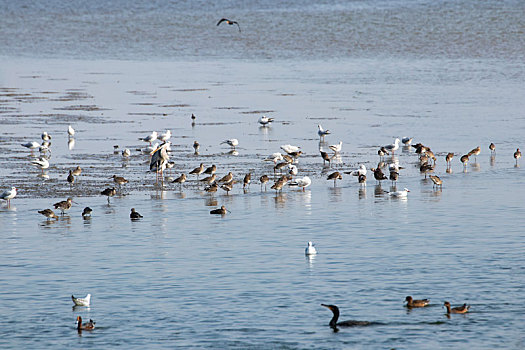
(229, 22)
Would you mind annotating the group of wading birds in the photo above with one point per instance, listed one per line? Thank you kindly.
(159, 162)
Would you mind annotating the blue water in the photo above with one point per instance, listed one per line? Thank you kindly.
(448, 74)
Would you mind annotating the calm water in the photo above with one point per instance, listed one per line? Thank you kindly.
(449, 74)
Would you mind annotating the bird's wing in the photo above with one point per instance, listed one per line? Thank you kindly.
(222, 20)
(238, 26)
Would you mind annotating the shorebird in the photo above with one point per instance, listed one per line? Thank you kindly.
(416, 303)
(335, 176)
(456, 310)
(448, 158)
(119, 180)
(126, 153)
(264, 180)
(210, 170)
(87, 212)
(227, 187)
(382, 152)
(292, 170)
(109, 192)
(77, 171)
(197, 171)
(229, 22)
(150, 138)
(42, 163)
(212, 188)
(290, 149)
(274, 157)
(337, 147)
(310, 249)
(476, 151)
(436, 180)
(165, 136)
(288, 158)
(326, 158)
(406, 140)
(86, 301)
(31, 145)
(64, 205)
(159, 160)
(517, 155)
(246, 181)
(378, 174)
(232, 142)
(430, 155)
(492, 148)
(193, 117)
(134, 215)
(180, 180)
(321, 132)
(393, 147)
(88, 326)
(70, 178)
(45, 136)
(280, 166)
(362, 179)
(221, 211)
(426, 168)
(7, 195)
(48, 213)
(278, 185)
(464, 160)
(209, 179)
(264, 120)
(394, 175)
(70, 131)
(303, 182)
(196, 147)
(227, 178)
(400, 194)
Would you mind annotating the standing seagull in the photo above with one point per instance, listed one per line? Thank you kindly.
(232, 142)
(264, 120)
(8, 195)
(321, 132)
(310, 249)
(42, 163)
(150, 138)
(70, 131)
(393, 147)
(229, 22)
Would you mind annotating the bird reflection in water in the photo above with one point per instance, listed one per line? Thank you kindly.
(280, 200)
(378, 191)
(211, 202)
(71, 144)
(475, 166)
(335, 193)
(492, 160)
(362, 193)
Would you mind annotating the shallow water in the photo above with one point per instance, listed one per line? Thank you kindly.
(181, 277)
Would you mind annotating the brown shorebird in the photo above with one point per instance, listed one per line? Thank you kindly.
(221, 211)
(210, 170)
(436, 180)
(448, 158)
(288, 158)
(430, 155)
(264, 180)
(416, 303)
(361, 179)
(335, 176)
(196, 147)
(227, 178)
(198, 171)
(280, 166)
(48, 213)
(426, 168)
(119, 180)
(227, 187)
(295, 155)
(209, 179)
(212, 188)
(458, 309)
(77, 171)
(394, 175)
(180, 180)
(64, 205)
(229, 22)
(109, 192)
(326, 158)
(247, 179)
(70, 178)
(378, 174)
(492, 148)
(517, 155)
(464, 160)
(134, 215)
(382, 152)
(476, 151)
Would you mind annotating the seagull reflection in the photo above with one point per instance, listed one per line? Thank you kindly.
(159, 195)
(71, 144)
(233, 152)
(310, 259)
(362, 193)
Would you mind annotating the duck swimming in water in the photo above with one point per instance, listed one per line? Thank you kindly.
(463, 309)
(88, 326)
(349, 323)
(416, 303)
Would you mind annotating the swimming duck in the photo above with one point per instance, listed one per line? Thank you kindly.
(456, 310)
(416, 303)
(88, 326)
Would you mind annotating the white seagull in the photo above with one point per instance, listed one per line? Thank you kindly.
(394, 146)
(70, 131)
(360, 171)
(232, 142)
(126, 152)
(42, 163)
(150, 138)
(402, 193)
(337, 148)
(304, 182)
(264, 120)
(82, 301)
(290, 149)
(46, 136)
(274, 157)
(166, 136)
(8, 195)
(310, 249)
(31, 145)
(321, 132)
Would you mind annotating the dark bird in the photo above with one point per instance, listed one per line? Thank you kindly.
(211, 170)
(448, 158)
(492, 147)
(212, 188)
(86, 212)
(109, 192)
(247, 180)
(220, 211)
(335, 176)
(416, 303)
(229, 22)
(463, 309)
(362, 179)
(70, 178)
(350, 323)
(180, 180)
(426, 168)
(378, 174)
(517, 155)
(88, 326)
(48, 213)
(64, 205)
(264, 180)
(436, 180)
(134, 215)
(326, 158)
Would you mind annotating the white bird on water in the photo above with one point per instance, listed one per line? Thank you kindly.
(337, 148)
(310, 249)
(42, 163)
(274, 157)
(8, 195)
(70, 131)
(264, 120)
(232, 142)
(166, 136)
(46, 136)
(150, 138)
(31, 145)
(321, 132)
(126, 152)
(82, 301)
(303, 182)
(360, 171)
(403, 193)
(394, 146)
(290, 149)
